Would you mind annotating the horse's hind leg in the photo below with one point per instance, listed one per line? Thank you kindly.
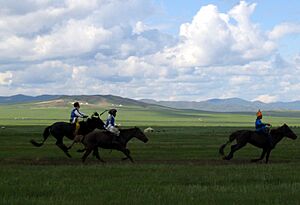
(96, 154)
(234, 148)
(63, 147)
(261, 156)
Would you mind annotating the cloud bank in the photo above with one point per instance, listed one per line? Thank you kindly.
(107, 47)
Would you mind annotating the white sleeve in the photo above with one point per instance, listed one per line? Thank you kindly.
(78, 114)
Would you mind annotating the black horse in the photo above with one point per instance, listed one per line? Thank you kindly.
(243, 137)
(61, 129)
(103, 139)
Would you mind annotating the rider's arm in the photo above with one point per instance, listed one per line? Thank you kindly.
(79, 114)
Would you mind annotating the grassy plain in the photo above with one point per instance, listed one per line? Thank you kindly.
(179, 165)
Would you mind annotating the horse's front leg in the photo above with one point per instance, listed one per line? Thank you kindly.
(261, 156)
(71, 145)
(96, 154)
(77, 139)
(127, 153)
(81, 150)
(86, 154)
(63, 147)
(268, 155)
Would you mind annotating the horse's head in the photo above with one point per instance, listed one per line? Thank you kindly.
(288, 132)
(95, 121)
(140, 135)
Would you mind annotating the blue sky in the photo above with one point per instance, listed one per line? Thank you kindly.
(159, 49)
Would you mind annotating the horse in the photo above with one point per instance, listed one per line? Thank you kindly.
(243, 137)
(60, 129)
(103, 139)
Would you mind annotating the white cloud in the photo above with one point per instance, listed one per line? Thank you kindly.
(213, 38)
(72, 39)
(284, 29)
(266, 98)
(106, 47)
(239, 80)
(6, 78)
(42, 74)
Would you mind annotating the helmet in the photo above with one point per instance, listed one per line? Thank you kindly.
(112, 111)
(259, 113)
(76, 104)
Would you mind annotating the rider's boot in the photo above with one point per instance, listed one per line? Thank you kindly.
(270, 141)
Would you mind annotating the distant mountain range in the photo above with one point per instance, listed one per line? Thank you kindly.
(228, 105)
(24, 98)
(215, 105)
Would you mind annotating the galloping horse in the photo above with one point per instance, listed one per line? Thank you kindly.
(243, 137)
(61, 129)
(103, 139)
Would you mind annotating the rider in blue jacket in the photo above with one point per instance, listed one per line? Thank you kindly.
(111, 125)
(75, 114)
(262, 128)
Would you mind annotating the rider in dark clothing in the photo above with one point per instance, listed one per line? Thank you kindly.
(261, 128)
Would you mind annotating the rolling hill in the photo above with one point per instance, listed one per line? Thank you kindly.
(63, 100)
(214, 105)
(228, 105)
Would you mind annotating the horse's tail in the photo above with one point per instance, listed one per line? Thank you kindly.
(45, 135)
(231, 138)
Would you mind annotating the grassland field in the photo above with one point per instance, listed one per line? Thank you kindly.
(179, 165)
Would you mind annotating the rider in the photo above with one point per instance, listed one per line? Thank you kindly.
(75, 114)
(261, 128)
(110, 125)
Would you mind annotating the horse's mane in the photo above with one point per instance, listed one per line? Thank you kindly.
(282, 127)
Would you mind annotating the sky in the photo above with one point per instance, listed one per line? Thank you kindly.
(189, 50)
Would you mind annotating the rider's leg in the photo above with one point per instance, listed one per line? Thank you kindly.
(269, 137)
(116, 133)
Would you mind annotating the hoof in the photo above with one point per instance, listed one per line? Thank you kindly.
(226, 158)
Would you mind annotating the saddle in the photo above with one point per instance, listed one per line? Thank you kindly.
(267, 136)
(262, 133)
(115, 139)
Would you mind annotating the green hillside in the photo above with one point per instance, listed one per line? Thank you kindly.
(43, 113)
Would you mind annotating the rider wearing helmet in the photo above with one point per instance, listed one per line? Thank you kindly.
(111, 126)
(261, 128)
(110, 122)
(75, 114)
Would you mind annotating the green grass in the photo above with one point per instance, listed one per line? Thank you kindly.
(31, 114)
(179, 165)
(150, 184)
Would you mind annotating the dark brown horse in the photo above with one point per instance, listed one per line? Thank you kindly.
(61, 129)
(103, 139)
(243, 137)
